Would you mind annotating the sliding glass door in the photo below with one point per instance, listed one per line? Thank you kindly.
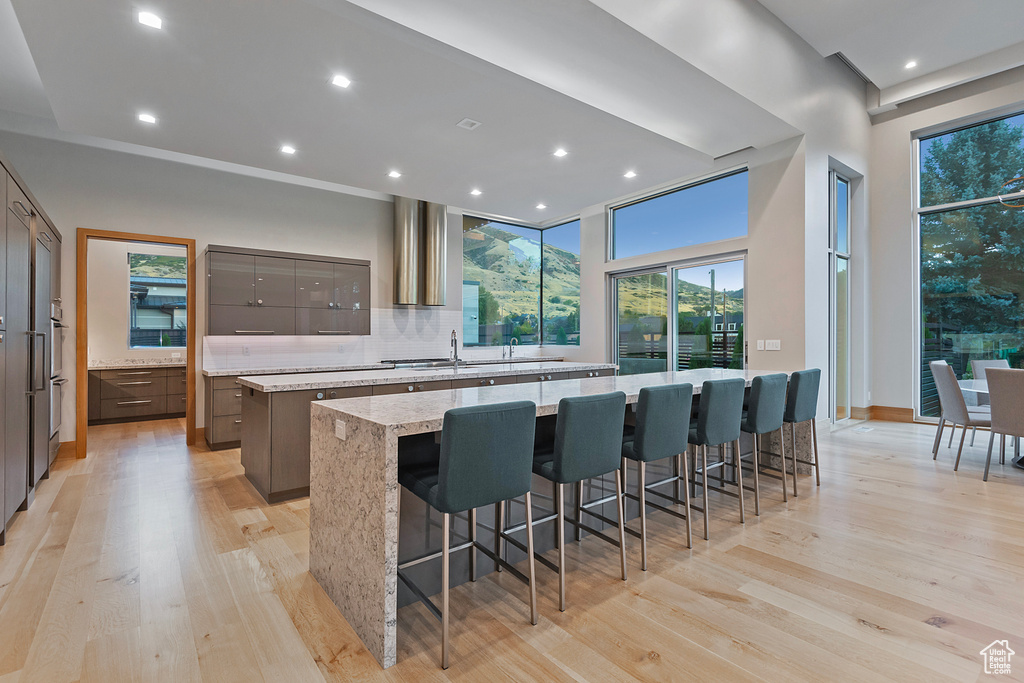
(706, 302)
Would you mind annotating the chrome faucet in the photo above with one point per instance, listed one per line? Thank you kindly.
(511, 342)
(455, 349)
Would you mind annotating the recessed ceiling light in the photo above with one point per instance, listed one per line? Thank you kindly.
(147, 118)
(475, 192)
(911, 64)
(340, 81)
(150, 19)
(542, 206)
(287, 149)
(560, 152)
(629, 174)
(394, 174)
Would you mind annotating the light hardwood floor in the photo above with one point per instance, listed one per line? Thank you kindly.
(152, 561)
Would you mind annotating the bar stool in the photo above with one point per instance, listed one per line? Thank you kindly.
(484, 458)
(588, 444)
(765, 409)
(801, 406)
(662, 430)
(718, 423)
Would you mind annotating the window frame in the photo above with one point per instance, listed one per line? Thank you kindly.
(662, 192)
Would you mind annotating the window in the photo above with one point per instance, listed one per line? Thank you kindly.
(972, 253)
(732, 327)
(839, 334)
(157, 312)
(709, 211)
(520, 282)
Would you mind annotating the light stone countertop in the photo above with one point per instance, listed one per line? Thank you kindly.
(423, 412)
(334, 380)
(126, 363)
(232, 372)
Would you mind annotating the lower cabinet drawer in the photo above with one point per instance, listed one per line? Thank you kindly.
(482, 382)
(584, 374)
(410, 387)
(541, 377)
(133, 388)
(175, 403)
(227, 428)
(225, 383)
(113, 408)
(227, 402)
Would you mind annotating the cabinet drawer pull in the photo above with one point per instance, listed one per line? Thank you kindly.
(131, 384)
(333, 332)
(17, 202)
(238, 422)
(128, 374)
(238, 396)
(132, 403)
(48, 239)
(254, 332)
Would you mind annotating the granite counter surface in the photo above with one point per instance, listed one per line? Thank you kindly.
(249, 372)
(333, 380)
(127, 363)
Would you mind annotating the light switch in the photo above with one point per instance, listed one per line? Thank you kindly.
(339, 429)
(760, 344)
(772, 345)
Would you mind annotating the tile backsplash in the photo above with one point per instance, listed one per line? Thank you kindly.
(395, 333)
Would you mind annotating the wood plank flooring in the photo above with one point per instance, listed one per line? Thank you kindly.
(151, 561)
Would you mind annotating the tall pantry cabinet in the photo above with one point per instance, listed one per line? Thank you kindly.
(25, 330)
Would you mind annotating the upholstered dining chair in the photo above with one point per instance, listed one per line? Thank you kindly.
(1006, 391)
(954, 408)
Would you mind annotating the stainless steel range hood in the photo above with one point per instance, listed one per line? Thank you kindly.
(421, 244)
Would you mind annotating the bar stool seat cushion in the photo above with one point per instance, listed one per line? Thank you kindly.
(662, 427)
(721, 408)
(588, 438)
(768, 400)
(802, 401)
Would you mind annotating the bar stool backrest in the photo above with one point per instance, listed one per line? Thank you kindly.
(662, 421)
(588, 436)
(720, 411)
(979, 367)
(802, 401)
(767, 403)
(1006, 391)
(951, 399)
(486, 455)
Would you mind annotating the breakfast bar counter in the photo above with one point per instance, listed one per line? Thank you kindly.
(354, 490)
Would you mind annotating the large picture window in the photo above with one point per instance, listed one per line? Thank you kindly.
(520, 283)
(972, 250)
(709, 211)
(157, 312)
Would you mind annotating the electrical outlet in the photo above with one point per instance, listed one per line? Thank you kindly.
(245, 350)
(176, 354)
(341, 348)
(772, 345)
(760, 344)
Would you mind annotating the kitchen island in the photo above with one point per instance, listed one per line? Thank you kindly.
(354, 491)
(274, 415)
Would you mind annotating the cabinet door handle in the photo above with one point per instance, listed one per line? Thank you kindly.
(254, 332)
(131, 384)
(238, 396)
(238, 422)
(132, 403)
(259, 302)
(126, 374)
(333, 332)
(17, 202)
(48, 239)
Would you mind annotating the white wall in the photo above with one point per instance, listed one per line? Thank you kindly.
(893, 243)
(108, 300)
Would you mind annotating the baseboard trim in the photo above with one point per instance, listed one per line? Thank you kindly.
(67, 449)
(860, 413)
(890, 413)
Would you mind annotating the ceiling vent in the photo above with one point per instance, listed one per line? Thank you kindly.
(468, 124)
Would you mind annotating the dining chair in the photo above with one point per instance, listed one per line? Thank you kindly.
(979, 367)
(1006, 392)
(953, 408)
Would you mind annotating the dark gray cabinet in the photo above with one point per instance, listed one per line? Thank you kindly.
(144, 393)
(256, 292)
(40, 445)
(18, 343)
(223, 412)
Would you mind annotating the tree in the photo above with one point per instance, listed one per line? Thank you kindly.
(736, 362)
(488, 307)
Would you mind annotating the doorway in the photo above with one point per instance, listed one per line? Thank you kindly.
(140, 290)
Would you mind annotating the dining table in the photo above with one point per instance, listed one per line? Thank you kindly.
(978, 388)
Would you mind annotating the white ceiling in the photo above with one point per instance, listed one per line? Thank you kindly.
(233, 82)
(880, 36)
(20, 88)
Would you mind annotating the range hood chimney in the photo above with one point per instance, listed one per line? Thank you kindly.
(421, 240)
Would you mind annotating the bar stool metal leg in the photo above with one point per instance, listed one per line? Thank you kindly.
(529, 558)
(472, 548)
(641, 467)
(620, 506)
(792, 436)
(757, 466)
(579, 507)
(560, 542)
(445, 545)
(683, 460)
(782, 447)
(738, 466)
(814, 440)
(499, 527)
(704, 483)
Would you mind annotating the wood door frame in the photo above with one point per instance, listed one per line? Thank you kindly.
(82, 330)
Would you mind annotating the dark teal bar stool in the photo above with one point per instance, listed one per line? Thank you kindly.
(662, 431)
(801, 406)
(766, 406)
(587, 444)
(718, 423)
(485, 457)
